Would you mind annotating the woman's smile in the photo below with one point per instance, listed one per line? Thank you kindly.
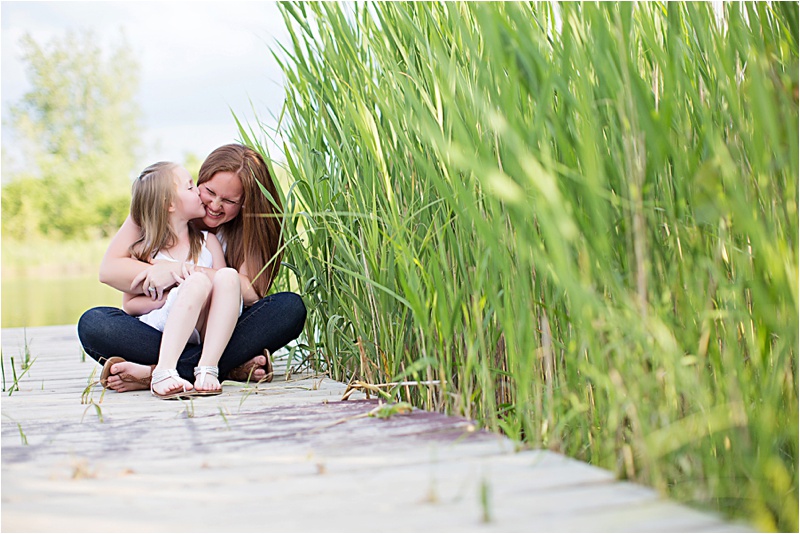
(214, 214)
(222, 197)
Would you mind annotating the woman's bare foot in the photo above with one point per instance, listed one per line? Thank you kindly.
(170, 385)
(129, 376)
(256, 369)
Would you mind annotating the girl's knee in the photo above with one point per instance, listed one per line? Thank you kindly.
(196, 284)
(227, 278)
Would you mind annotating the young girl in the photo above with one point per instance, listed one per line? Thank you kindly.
(203, 307)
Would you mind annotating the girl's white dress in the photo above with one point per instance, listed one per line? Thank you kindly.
(158, 317)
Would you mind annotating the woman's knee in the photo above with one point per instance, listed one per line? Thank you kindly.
(96, 326)
(295, 308)
(95, 323)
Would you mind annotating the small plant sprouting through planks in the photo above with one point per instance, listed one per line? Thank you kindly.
(385, 411)
(27, 362)
(26, 359)
(15, 386)
(22, 435)
(224, 416)
(382, 411)
(98, 410)
(86, 396)
(432, 495)
(3, 369)
(485, 495)
(246, 392)
(188, 407)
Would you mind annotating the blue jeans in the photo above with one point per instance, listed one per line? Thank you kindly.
(270, 323)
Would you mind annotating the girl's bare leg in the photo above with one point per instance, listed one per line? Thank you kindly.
(223, 311)
(183, 317)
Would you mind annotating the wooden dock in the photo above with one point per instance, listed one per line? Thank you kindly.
(287, 456)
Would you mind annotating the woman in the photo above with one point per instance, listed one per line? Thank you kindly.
(248, 225)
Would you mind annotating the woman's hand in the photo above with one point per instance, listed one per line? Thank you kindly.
(156, 279)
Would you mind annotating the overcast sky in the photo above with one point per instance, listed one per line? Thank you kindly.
(198, 61)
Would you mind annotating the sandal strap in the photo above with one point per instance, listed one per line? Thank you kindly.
(203, 370)
(165, 374)
(212, 370)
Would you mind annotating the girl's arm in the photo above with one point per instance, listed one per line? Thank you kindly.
(177, 271)
(120, 271)
(137, 305)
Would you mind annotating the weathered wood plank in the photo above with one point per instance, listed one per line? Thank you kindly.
(284, 456)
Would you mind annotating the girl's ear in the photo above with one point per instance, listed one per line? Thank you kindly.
(171, 207)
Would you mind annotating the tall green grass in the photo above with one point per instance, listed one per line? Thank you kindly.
(580, 218)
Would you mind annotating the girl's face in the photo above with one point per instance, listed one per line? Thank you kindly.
(187, 200)
(222, 197)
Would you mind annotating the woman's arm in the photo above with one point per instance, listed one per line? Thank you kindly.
(119, 270)
(249, 295)
(217, 255)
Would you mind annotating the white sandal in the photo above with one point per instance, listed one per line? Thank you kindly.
(202, 371)
(159, 375)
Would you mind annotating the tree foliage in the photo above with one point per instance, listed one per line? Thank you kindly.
(78, 133)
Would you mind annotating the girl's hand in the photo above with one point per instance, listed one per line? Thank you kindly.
(156, 279)
(187, 269)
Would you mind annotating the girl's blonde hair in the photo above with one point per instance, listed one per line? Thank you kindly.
(252, 238)
(151, 195)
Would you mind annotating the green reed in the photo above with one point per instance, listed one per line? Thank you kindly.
(580, 218)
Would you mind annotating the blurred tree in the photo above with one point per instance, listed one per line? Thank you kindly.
(192, 163)
(78, 132)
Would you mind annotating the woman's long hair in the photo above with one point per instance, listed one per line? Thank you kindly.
(253, 238)
(151, 195)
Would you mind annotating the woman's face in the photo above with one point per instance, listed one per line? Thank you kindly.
(222, 197)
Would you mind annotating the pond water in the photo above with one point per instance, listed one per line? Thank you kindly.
(53, 301)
